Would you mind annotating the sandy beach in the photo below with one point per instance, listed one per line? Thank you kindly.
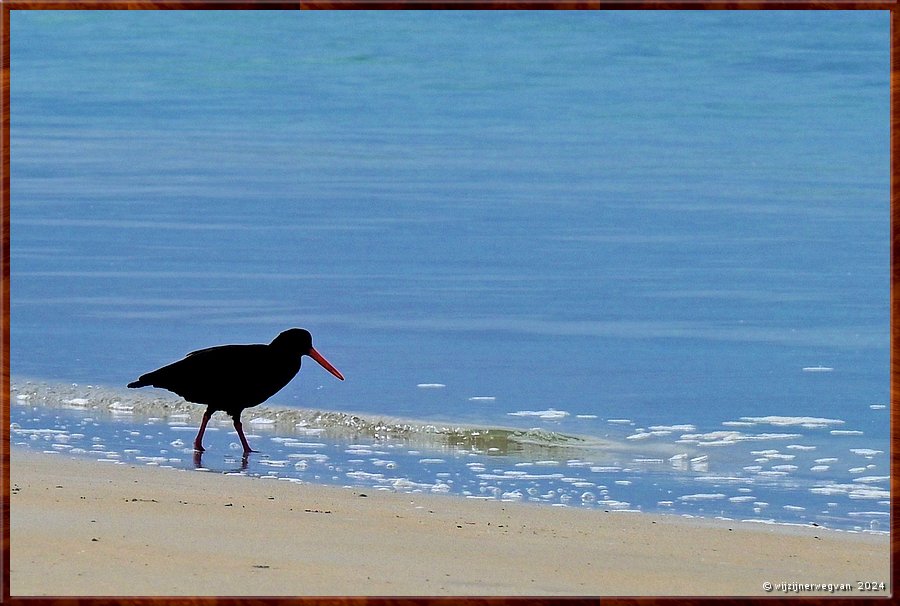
(91, 528)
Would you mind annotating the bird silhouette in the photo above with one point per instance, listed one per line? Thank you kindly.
(234, 377)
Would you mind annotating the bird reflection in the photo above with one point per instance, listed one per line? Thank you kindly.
(198, 462)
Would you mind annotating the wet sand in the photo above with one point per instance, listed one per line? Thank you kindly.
(92, 528)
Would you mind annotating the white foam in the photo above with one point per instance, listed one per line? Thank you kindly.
(405, 484)
(724, 479)
(430, 385)
(817, 369)
(877, 406)
(818, 468)
(712, 436)
(872, 479)
(800, 447)
(318, 458)
(585, 416)
(641, 435)
(483, 399)
(527, 476)
(151, 459)
(620, 421)
(273, 463)
(793, 508)
(808, 422)
(700, 463)
(773, 454)
(261, 421)
(578, 463)
(846, 432)
(513, 495)
(671, 428)
(77, 401)
(727, 438)
(615, 505)
(869, 493)
(866, 452)
(853, 491)
(364, 475)
(549, 414)
(703, 496)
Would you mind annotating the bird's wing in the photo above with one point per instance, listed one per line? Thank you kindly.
(207, 349)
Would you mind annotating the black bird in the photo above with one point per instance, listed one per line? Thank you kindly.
(234, 377)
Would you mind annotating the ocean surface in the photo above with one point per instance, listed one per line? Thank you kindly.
(630, 260)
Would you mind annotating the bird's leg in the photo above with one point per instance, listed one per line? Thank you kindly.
(238, 426)
(198, 441)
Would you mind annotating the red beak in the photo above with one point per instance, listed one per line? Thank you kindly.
(325, 363)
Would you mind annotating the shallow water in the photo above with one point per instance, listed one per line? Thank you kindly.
(615, 225)
(760, 469)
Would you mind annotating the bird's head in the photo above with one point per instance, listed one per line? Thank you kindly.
(300, 341)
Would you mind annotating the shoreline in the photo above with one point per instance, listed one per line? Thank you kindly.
(186, 533)
(536, 465)
(541, 465)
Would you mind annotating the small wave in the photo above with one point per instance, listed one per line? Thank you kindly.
(289, 421)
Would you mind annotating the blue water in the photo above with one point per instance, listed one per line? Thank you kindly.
(661, 217)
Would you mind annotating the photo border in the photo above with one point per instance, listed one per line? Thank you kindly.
(11, 5)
